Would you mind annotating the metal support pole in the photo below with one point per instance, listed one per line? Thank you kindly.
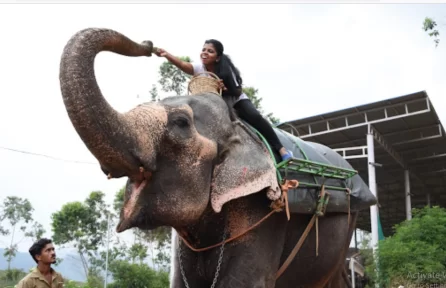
(106, 254)
(172, 254)
(407, 192)
(352, 271)
(428, 200)
(372, 187)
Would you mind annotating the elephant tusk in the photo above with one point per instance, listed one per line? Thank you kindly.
(109, 176)
(145, 175)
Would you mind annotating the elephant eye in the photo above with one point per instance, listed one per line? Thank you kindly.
(181, 122)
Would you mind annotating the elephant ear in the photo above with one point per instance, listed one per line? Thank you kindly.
(246, 168)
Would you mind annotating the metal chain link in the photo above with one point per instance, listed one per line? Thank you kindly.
(220, 260)
(180, 253)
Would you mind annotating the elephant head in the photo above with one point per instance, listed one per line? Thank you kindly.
(181, 155)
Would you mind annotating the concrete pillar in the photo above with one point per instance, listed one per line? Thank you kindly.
(407, 193)
(372, 187)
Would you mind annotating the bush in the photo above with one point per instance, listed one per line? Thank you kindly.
(126, 274)
(416, 253)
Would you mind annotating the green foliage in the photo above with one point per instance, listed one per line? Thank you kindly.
(15, 211)
(252, 94)
(36, 231)
(367, 254)
(118, 201)
(158, 238)
(75, 284)
(126, 274)
(154, 97)
(3, 231)
(94, 279)
(138, 251)
(416, 251)
(429, 25)
(8, 278)
(84, 225)
(172, 78)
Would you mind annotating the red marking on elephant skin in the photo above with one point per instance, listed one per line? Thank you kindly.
(243, 176)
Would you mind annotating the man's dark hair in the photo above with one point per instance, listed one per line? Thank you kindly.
(37, 247)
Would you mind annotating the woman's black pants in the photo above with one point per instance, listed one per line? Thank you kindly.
(248, 112)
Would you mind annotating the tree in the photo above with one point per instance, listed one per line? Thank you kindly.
(367, 254)
(416, 252)
(116, 253)
(252, 92)
(429, 25)
(84, 225)
(3, 231)
(154, 97)
(157, 239)
(138, 251)
(36, 231)
(126, 274)
(173, 79)
(16, 211)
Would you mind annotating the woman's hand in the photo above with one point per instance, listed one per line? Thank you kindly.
(160, 52)
(221, 85)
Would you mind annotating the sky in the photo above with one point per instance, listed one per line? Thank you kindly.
(305, 59)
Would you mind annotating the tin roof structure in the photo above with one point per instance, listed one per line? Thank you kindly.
(407, 135)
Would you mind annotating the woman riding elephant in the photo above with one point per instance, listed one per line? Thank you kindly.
(214, 60)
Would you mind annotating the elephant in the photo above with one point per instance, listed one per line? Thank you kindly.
(193, 165)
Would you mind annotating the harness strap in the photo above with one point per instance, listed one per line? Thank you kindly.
(277, 206)
(232, 238)
(296, 248)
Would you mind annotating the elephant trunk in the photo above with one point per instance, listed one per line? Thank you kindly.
(107, 134)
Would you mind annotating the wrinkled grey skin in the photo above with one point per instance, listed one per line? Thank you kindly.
(192, 166)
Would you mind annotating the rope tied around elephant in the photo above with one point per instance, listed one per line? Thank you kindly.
(276, 206)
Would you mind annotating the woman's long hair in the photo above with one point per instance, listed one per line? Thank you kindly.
(226, 70)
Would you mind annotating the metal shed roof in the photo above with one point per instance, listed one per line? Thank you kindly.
(408, 133)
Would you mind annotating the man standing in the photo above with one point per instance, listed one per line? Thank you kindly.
(43, 276)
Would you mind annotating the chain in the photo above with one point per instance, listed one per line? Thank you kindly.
(220, 259)
(180, 253)
(217, 272)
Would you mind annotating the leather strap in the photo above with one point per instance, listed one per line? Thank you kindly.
(296, 248)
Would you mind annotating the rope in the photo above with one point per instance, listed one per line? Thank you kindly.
(297, 247)
(230, 239)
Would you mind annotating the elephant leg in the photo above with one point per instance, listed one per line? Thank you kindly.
(307, 269)
(254, 262)
(340, 277)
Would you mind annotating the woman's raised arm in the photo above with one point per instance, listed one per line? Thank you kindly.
(184, 66)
